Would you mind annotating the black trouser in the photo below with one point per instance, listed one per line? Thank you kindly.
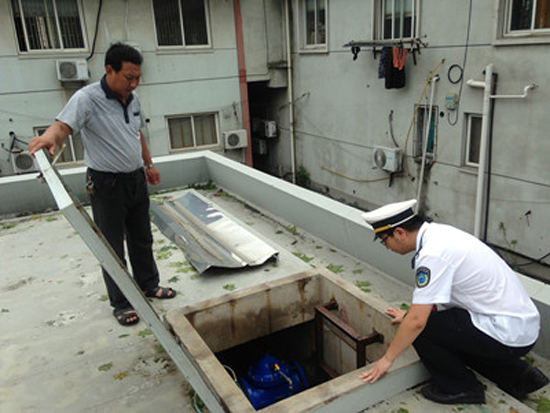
(120, 205)
(450, 344)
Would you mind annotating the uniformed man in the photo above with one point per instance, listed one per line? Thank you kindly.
(486, 321)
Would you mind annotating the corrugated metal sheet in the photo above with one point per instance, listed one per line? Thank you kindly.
(207, 236)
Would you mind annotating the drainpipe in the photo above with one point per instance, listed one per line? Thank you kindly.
(425, 145)
(290, 93)
(243, 86)
(481, 181)
(485, 128)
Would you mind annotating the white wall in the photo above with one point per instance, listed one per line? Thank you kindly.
(345, 114)
(173, 83)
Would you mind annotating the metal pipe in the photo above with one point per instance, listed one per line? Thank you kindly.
(425, 145)
(290, 93)
(483, 149)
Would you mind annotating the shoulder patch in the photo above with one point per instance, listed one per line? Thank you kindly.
(422, 277)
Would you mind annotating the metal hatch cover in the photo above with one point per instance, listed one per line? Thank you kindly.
(207, 235)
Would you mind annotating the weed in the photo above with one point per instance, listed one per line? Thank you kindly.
(105, 367)
(363, 286)
(334, 268)
(229, 287)
(303, 257)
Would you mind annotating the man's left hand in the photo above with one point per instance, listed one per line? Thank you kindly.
(152, 175)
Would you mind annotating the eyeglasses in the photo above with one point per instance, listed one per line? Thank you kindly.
(385, 239)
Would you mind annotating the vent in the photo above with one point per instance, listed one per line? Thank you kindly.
(235, 139)
(73, 70)
(23, 162)
(388, 159)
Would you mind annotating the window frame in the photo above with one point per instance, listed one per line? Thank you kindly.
(503, 36)
(195, 147)
(70, 142)
(184, 46)
(58, 31)
(302, 21)
(379, 21)
(532, 31)
(468, 138)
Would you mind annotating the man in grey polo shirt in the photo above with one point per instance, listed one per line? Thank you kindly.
(108, 116)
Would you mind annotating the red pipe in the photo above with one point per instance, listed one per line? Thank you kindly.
(243, 86)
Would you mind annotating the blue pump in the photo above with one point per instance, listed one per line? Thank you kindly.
(271, 380)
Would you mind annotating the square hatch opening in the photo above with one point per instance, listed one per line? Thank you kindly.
(294, 344)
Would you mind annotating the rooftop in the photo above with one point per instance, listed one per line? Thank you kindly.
(63, 350)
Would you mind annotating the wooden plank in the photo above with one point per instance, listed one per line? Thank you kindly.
(92, 236)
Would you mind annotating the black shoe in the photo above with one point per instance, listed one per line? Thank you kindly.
(435, 394)
(529, 381)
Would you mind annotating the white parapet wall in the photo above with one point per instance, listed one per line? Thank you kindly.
(338, 224)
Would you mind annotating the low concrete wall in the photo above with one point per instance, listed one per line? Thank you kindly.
(338, 224)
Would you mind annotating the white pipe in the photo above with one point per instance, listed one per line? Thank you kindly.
(525, 92)
(425, 145)
(481, 179)
(290, 93)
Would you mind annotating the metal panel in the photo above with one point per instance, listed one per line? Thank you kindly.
(90, 233)
(207, 235)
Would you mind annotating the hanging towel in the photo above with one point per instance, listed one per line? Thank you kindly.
(399, 56)
(395, 77)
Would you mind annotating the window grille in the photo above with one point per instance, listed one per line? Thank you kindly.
(315, 24)
(398, 19)
(47, 25)
(192, 131)
(181, 22)
(421, 126)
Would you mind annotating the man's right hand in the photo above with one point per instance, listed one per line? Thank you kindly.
(51, 138)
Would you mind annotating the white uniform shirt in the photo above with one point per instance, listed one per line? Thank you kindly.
(455, 269)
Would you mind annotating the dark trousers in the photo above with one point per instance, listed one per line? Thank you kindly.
(120, 205)
(450, 345)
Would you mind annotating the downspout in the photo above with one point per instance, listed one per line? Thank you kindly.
(243, 86)
(290, 93)
(488, 86)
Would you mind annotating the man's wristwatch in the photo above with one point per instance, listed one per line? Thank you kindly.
(149, 166)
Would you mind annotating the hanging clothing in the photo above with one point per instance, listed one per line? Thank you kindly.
(395, 77)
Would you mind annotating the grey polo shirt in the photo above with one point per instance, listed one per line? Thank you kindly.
(110, 131)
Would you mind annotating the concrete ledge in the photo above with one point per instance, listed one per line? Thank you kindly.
(338, 224)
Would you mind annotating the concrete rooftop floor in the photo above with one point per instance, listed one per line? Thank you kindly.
(63, 351)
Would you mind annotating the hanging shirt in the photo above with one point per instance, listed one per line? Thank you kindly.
(455, 269)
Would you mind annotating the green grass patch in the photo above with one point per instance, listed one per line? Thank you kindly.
(303, 257)
(334, 268)
(229, 287)
(105, 367)
(363, 286)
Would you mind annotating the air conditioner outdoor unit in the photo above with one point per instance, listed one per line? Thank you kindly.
(388, 159)
(72, 70)
(235, 139)
(23, 162)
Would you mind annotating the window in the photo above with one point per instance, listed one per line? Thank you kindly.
(74, 150)
(314, 20)
(528, 16)
(397, 19)
(421, 126)
(192, 131)
(47, 25)
(473, 139)
(181, 22)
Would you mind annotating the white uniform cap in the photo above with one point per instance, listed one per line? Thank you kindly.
(390, 216)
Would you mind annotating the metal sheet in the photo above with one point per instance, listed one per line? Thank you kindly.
(207, 235)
